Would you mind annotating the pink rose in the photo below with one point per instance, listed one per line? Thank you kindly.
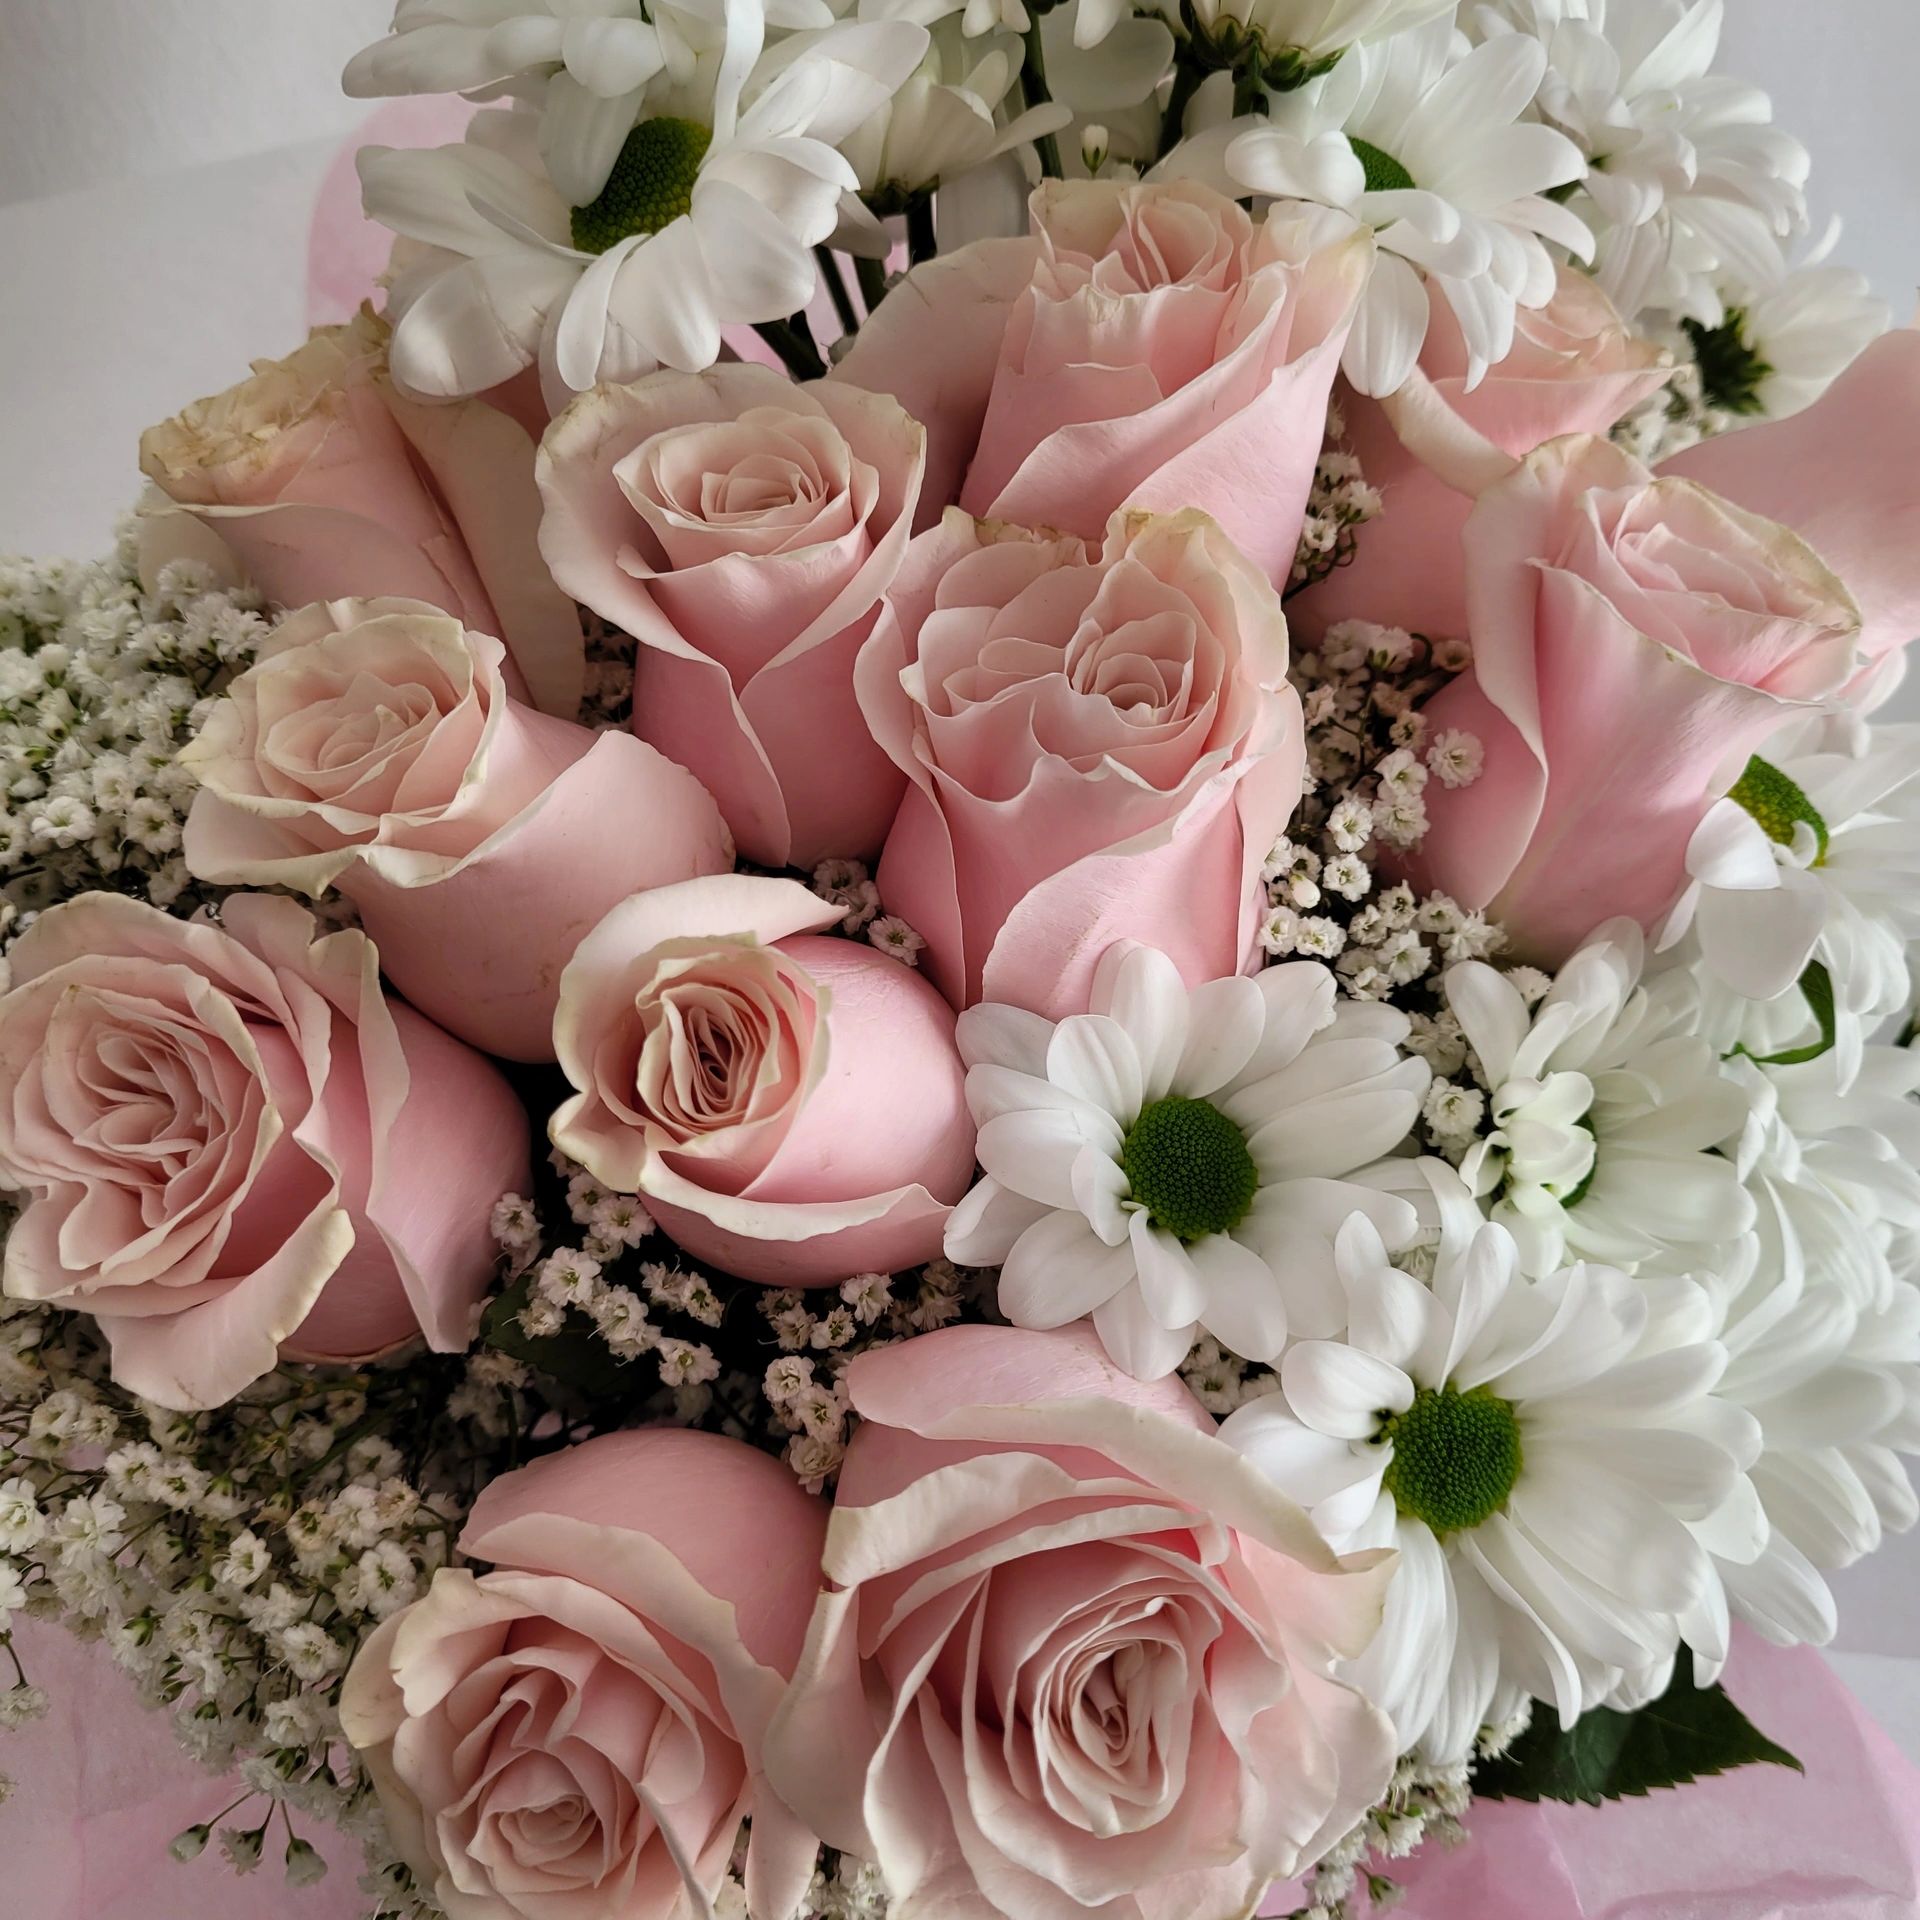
(576, 1734)
(1840, 475)
(1073, 1655)
(743, 529)
(323, 481)
(1631, 636)
(234, 1147)
(373, 746)
(1151, 345)
(793, 1107)
(1100, 746)
(1575, 367)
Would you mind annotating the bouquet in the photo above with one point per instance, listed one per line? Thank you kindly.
(984, 992)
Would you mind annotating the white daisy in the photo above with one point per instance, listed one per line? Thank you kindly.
(1834, 1383)
(1283, 43)
(1689, 184)
(1606, 1107)
(1176, 1160)
(1427, 143)
(1813, 854)
(945, 118)
(707, 219)
(1833, 1165)
(1783, 341)
(1536, 1451)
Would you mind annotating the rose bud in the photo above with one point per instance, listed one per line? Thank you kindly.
(320, 480)
(373, 746)
(792, 1107)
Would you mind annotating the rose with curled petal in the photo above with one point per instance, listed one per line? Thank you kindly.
(233, 1146)
(792, 1107)
(1575, 367)
(323, 481)
(743, 529)
(373, 746)
(1100, 745)
(1631, 634)
(1073, 1655)
(576, 1733)
(1150, 345)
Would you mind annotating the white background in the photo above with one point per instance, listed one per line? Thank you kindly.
(158, 160)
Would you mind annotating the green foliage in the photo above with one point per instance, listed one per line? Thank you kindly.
(1687, 1734)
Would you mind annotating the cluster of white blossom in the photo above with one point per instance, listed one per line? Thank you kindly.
(102, 680)
(231, 1561)
(1370, 757)
(1340, 504)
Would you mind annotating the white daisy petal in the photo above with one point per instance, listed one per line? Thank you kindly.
(1340, 1390)
(1059, 1271)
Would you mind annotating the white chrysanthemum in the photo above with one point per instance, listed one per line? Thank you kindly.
(1427, 143)
(1181, 1159)
(1833, 1165)
(1536, 1451)
(1786, 339)
(1283, 42)
(1606, 1109)
(944, 120)
(1834, 1383)
(1814, 854)
(1690, 184)
(707, 219)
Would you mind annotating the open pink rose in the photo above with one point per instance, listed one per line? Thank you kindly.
(576, 1734)
(322, 481)
(373, 746)
(1575, 367)
(1840, 475)
(792, 1107)
(1100, 746)
(1073, 1655)
(743, 529)
(234, 1147)
(1151, 345)
(1631, 636)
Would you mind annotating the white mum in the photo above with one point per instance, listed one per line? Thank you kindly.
(1536, 1451)
(1606, 1109)
(1428, 144)
(1176, 1160)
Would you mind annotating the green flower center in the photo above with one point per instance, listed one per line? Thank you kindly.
(651, 184)
(1188, 1165)
(1456, 1457)
(1385, 174)
(1731, 371)
(1778, 803)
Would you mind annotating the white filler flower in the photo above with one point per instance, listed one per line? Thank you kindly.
(1428, 145)
(1606, 1107)
(1534, 1455)
(1181, 1159)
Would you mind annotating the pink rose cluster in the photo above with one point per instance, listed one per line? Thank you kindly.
(1055, 1649)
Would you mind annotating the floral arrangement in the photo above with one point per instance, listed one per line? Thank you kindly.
(984, 997)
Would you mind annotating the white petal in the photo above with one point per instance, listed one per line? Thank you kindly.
(1170, 1284)
(1245, 1308)
(1059, 1271)
(1341, 1391)
(1141, 989)
(982, 1229)
(1389, 329)
(1136, 1341)
(1094, 1056)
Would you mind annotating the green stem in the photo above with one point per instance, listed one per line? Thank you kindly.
(837, 289)
(1033, 89)
(921, 243)
(872, 275)
(796, 350)
(1186, 83)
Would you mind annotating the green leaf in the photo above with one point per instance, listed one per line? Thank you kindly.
(1687, 1734)
(1817, 985)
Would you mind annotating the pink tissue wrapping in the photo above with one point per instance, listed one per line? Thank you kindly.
(100, 1788)
(1841, 1842)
